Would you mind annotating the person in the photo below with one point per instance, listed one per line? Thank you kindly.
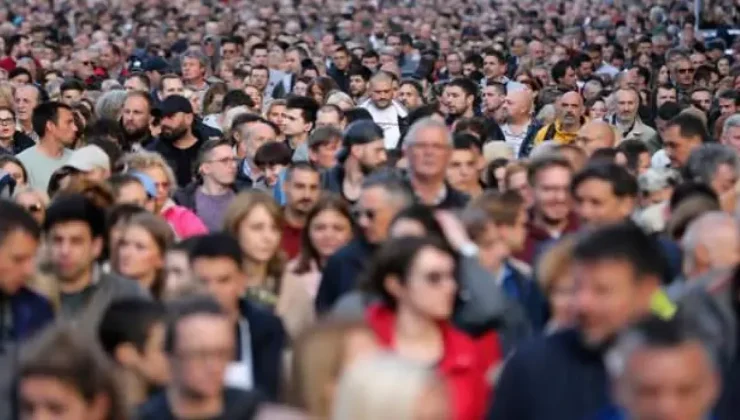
(250, 133)
(179, 280)
(385, 111)
(151, 165)
(74, 229)
(415, 390)
(410, 94)
(604, 193)
(663, 369)
(731, 132)
(519, 126)
(328, 227)
(428, 145)
(683, 135)
(91, 162)
(629, 123)
(63, 376)
(362, 153)
(617, 270)
(359, 78)
(216, 261)
(132, 188)
(556, 282)
(12, 142)
(458, 98)
(13, 167)
(595, 135)
(256, 220)
(25, 99)
(710, 244)
(321, 354)
(34, 201)
(137, 119)
(569, 110)
(383, 196)
(323, 145)
(140, 254)
(57, 131)
(131, 333)
(415, 278)
(271, 159)
(210, 194)
(718, 166)
(493, 95)
(194, 69)
(71, 91)
(330, 116)
(302, 190)
(299, 121)
(633, 155)
(462, 171)
(198, 363)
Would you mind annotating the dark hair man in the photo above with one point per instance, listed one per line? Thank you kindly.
(299, 120)
(302, 188)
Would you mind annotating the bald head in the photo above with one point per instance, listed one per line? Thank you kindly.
(711, 242)
(595, 135)
(518, 105)
(570, 109)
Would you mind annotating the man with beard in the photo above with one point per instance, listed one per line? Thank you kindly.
(458, 97)
(177, 143)
(359, 76)
(302, 188)
(386, 112)
(299, 121)
(628, 122)
(569, 110)
(136, 118)
(25, 99)
(362, 152)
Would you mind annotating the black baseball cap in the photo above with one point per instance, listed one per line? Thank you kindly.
(359, 132)
(174, 104)
(157, 64)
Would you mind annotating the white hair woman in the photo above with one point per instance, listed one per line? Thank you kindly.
(387, 386)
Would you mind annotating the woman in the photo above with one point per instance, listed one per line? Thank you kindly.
(556, 282)
(415, 279)
(663, 76)
(142, 251)
(256, 221)
(183, 221)
(596, 108)
(213, 100)
(724, 64)
(387, 386)
(34, 201)
(328, 228)
(256, 96)
(320, 88)
(15, 168)
(63, 376)
(321, 354)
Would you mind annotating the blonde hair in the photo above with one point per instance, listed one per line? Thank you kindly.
(42, 196)
(385, 386)
(143, 160)
(335, 97)
(555, 263)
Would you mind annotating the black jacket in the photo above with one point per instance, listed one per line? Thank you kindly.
(243, 181)
(342, 272)
(453, 199)
(332, 179)
(21, 142)
(340, 77)
(267, 338)
(238, 404)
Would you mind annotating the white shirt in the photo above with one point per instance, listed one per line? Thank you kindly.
(240, 374)
(514, 140)
(387, 119)
(660, 159)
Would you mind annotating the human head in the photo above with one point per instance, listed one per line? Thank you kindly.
(728, 102)
(92, 162)
(177, 116)
(716, 165)
(428, 146)
(259, 76)
(110, 56)
(683, 134)
(71, 91)
(665, 93)
(383, 196)
(494, 64)
(155, 168)
(217, 163)
(54, 121)
(381, 90)
(271, 158)
(214, 98)
(194, 66)
(549, 176)
(634, 155)
(250, 132)
(711, 242)
(459, 96)
(19, 240)
(731, 133)
(25, 99)
(341, 58)
(702, 99)
(323, 145)
(604, 193)
(363, 146)
(462, 171)
(563, 74)
(15, 168)
(683, 72)
(300, 116)
(556, 281)
(359, 76)
(411, 94)
(595, 135)
(138, 82)
(302, 188)
(518, 106)
(569, 109)
(136, 115)
(628, 102)
(330, 116)
(507, 212)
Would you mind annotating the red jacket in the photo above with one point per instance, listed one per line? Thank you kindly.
(464, 366)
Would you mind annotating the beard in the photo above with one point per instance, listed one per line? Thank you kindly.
(136, 133)
(172, 135)
(367, 169)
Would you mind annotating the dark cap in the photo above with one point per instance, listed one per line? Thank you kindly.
(174, 104)
(158, 64)
(359, 132)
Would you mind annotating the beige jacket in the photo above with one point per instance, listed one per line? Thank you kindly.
(296, 301)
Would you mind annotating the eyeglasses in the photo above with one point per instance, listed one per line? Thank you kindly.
(225, 161)
(6, 122)
(34, 208)
(359, 213)
(685, 71)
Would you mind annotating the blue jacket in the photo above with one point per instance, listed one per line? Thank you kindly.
(267, 338)
(555, 378)
(614, 413)
(342, 272)
(31, 312)
(524, 290)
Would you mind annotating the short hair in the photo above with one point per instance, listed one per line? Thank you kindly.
(495, 53)
(75, 208)
(423, 124)
(322, 136)
(392, 184)
(732, 121)
(20, 71)
(129, 320)
(217, 245)
(72, 84)
(624, 242)
(273, 153)
(546, 161)
(623, 184)
(689, 126)
(260, 68)
(168, 76)
(185, 308)
(143, 95)
(299, 166)
(668, 111)
(468, 86)
(730, 94)
(122, 213)
(142, 77)
(308, 106)
(689, 189)
(501, 208)
(705, 160)
(207, 148)
(362, 71)
(44, 113)
(16, 219)
(357, 114)
(198, 55)
(559, 69)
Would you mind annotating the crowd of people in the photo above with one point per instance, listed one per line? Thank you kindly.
(418, 210)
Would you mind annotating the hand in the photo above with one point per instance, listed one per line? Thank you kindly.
(453, 229)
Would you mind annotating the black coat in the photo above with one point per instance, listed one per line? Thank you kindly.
(238, 404)
(342, 272)
(267, 338)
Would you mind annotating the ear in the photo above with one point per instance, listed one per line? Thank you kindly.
(701, 256)
(627, 206)
(392, 285)
(308, 127)
(126, 354)
(100, 406)
(470, 99)
(97, 247)
(312, 156)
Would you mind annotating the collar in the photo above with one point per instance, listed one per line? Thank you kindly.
(439, 199)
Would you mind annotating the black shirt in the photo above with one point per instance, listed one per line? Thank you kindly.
(238, 405)
(180, 160)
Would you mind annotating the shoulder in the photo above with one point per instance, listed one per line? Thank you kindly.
(28, 153)
(121, 286)
(156, 407)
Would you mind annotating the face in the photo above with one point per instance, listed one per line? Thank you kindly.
(551, 193)
(570, 109)
(430, 154)
(608, 297)
(135, 116)
(7, 124)
(302, 190)
(259, 78)
(456, 100)
(259, 57)
(731, 137)
(665, 95)
(597, 205)
(229, 51)
(627, 103)
(254, 135)
(677, 383)
(179, 277)
(492, 99)
(300, 89)
(72, 249)
(409, 96)
(108, 59)
(45, 397)
(71, 97)
(724, 179)
(293, 62)
(492, 249)
(373, 214)
(294, 124)
(381, 93)
(430, 286)
(135, 193)
(570, 77)
(462, 171)
(134, 84)
(17, 261)
(221, 165)
(163, 184)
(325, 156)
(259, 235)
(172, 86)
(562, 299)
(598, 110)
(492, 68)
(26, 98)
(328, 118)
(678, 148)
(139, 256)
(222, 278)
(328, 231)
(204, 347)
(357, 86)
(702, 99)
(341, 60)
(276, 114)
(684, 73)
(726, 107)
(370, 62)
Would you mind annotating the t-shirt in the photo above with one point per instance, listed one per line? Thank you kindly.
(238, 404)
(40, 167)
(211, 208)
(291, 242)
(387, 119)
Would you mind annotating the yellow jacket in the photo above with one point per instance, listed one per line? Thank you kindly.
(555, 133)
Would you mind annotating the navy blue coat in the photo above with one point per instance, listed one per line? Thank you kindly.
(31, 312)
(342, 272)
(267, 338)
(553, 378)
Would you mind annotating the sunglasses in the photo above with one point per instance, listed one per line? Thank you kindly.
(357, 214)
(685, 71)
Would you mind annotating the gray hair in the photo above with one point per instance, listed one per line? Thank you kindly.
(712, 230)
(656, 179)
(706, 160)
(110, 104)
(425, 124)
(202, 58)
(733, 121)
(393, 184)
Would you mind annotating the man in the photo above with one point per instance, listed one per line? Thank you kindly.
(718, 166)
(91, 162)
(294, 56)
(138, 82)
(26, 98)
(216, 261)
(519, 128)
(136, 120)
(595, 135)
(536, 52)
(371, 60)
(155, 68)
(683, 135)
(359, 76)
(12, 142)
(584, 68)
(386, 112)
(362, 153)
(711, 243)
(682, 74)
(199, 343)
(210, 196)
(663, 370)
(71, 91)
(564, 75)
(604, 193)
(409, 56)
(453, 66)
(410, 94)
(731, 133)
(259, 77)
(194, 68)
(299, 120)
(462, 171)
(250, 133)
(549, 177)
(729, 102)
(302, 191)
(112, 61)
(323, 145)
(569, 112)
(702, 99)
(665, 93)
(493, 95)
(74, 230)
(131, 333)
(617, 270)
(19, 243)
(458, 98)
(55, 125)
(601, 67)
(628, 122)
(259, 57)
(383, 196)
(494, 70)
(330, 116)
(340, 66)
(177, 143)
(170, 84)
(428, 147)
(17, 47)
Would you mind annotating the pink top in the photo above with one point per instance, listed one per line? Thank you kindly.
(184, 222)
